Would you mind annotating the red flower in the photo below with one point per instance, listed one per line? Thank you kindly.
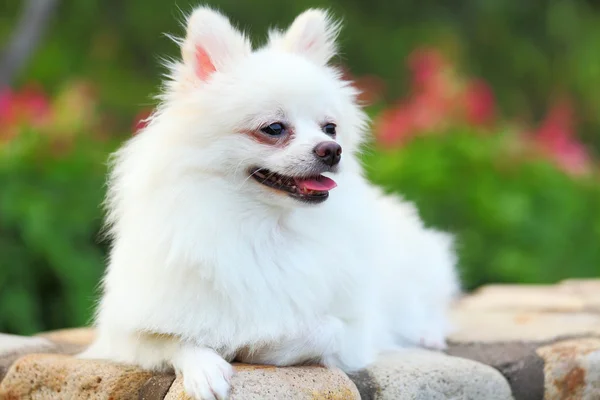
(556, 137)
(429, 105)
(7, 109)
(394, 126)
(479, 103)
(29, 106)
(425, 65)
(32, 105)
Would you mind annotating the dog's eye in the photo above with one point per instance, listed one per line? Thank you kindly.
(329, 129)
(274, 129)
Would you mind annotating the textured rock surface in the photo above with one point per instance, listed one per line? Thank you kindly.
(427, 375)
(512, 341)
(499, 313)
(523, 298)
(157, 387)
(517, 361)
(77, 337)
(12, 347)
(55, 376)
(572, 369)
(253, 382)
(502, 326)
(587, 290)
(521, 330)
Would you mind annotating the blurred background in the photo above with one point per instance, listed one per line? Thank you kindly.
(485, 113)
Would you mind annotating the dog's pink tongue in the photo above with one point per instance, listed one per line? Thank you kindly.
(320, 184)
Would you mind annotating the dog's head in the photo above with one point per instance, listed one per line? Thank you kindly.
(274, 120)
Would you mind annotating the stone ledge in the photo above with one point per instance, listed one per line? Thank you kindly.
(572, 369)
(513, 341)
(67, 341)
(428, 375)
(56, 376)
(568, 296)
(13, 346)
(514, 328)
(256, 382)
(78, 338)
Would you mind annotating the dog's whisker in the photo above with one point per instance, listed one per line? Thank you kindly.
(248, 177)
(272, 174)
(237, 167)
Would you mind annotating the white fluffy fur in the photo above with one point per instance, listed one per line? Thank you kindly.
(208, 265)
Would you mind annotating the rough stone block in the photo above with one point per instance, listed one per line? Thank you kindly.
(54, 377)
(587, 289)
(523, 298)
(75, 336)
(428, 375)
(572, 369)
(512, 341)
(517, 361)
(503, 326)
(13, 346)
(256, 382)
(521, 331)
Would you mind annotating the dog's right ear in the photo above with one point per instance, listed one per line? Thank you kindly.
(211, 43)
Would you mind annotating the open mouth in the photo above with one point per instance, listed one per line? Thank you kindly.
(313, 189)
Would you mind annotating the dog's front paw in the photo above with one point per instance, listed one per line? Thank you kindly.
(206, 375)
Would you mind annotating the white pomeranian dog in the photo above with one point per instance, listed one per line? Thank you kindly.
(243, 227)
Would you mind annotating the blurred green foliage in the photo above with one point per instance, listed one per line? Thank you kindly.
(52, 256)
(517, 217)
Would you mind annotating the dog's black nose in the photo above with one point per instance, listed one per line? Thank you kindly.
(329, 152)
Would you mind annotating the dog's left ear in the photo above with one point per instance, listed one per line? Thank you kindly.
(211, 43)
(312, 35)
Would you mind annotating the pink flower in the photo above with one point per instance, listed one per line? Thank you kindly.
(429, 110)
(7, 109)
(27, 107)
(394, 126)
(33, 105)
(425, 65)
(556, 137)
(430, 104)
(479, 103)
